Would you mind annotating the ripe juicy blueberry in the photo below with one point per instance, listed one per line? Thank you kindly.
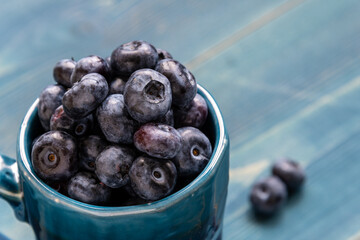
(129, 57)
(268, 195)
(54, 156)
(91, 64)
(117, 85)
(85, 96)
(290, 172)
(158, 140)
(163, 54)
(49, 100)
(89, 149)
(147, 95)
(114, 120)
(113, 165)
(183, 84)
(63, 122)
(151, 178)
(63, 70)
(195, 152)
(194, 116)
(167, 119)
(87, 188)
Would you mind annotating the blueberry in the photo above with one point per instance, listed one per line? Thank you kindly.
(195, 152)
(114, 120)
(129, 57)
(268, 196)
(63, 122)
(50, 98)
(91, 64)
(54, 156)
(113, 164)
(195, 115)
(85, 96)
(158, 140)
(290, 172)
(183, 84)
(63, 70)
(117, 85)
(147, 95)
(163, 54)
(151, 178)
(167, 119)
(87, 188)
(89, 149)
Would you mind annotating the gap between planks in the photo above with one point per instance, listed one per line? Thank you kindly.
(242, 33)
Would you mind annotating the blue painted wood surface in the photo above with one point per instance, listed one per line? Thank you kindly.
(286, 75)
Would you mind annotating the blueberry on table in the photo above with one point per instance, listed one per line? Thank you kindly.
(113, 164)
(132, 56)
(85, 96)
(151, 178)
(147, 95)
(163, 54)
(195, 152)
(290, 172)
(87, 188)
(54, 156)
(89, 149)
(195, 115)
(91, 64)
(63, 122)
(158, 140)
(268, 195)
(63, 70)
(117, 85)
(50, 98)
(183, 84)
(114, 120)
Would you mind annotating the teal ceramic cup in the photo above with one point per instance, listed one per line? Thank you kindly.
(194, 212)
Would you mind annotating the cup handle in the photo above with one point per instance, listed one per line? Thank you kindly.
(10, 186)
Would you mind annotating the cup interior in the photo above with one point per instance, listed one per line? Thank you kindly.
(214, 129)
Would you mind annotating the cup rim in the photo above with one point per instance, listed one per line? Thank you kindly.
(221, 141)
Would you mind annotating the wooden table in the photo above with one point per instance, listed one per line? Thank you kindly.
(286, 75)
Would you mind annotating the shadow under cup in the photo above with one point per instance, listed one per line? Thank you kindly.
(194, 212)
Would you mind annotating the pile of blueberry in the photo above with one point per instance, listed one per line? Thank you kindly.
(122, 130)
(269, 195)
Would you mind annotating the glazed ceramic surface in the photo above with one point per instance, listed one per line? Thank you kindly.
(194, 212)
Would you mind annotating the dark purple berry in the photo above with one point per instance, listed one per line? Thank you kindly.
(167, 119)
(50, 98)
(89, 149)
(151, 178)
(117, 86)
(85, 96)
(183, 84)
(113, 165)
(87, 188)
(132, 56)
(158, 140)
(114, 120)
(194, 116)
(91, 64)
(268, 196)
(147, 95)
(163, 54)
(62, 72)
(63, 122)
(195, 152)
(54, 156)
(290, 172)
